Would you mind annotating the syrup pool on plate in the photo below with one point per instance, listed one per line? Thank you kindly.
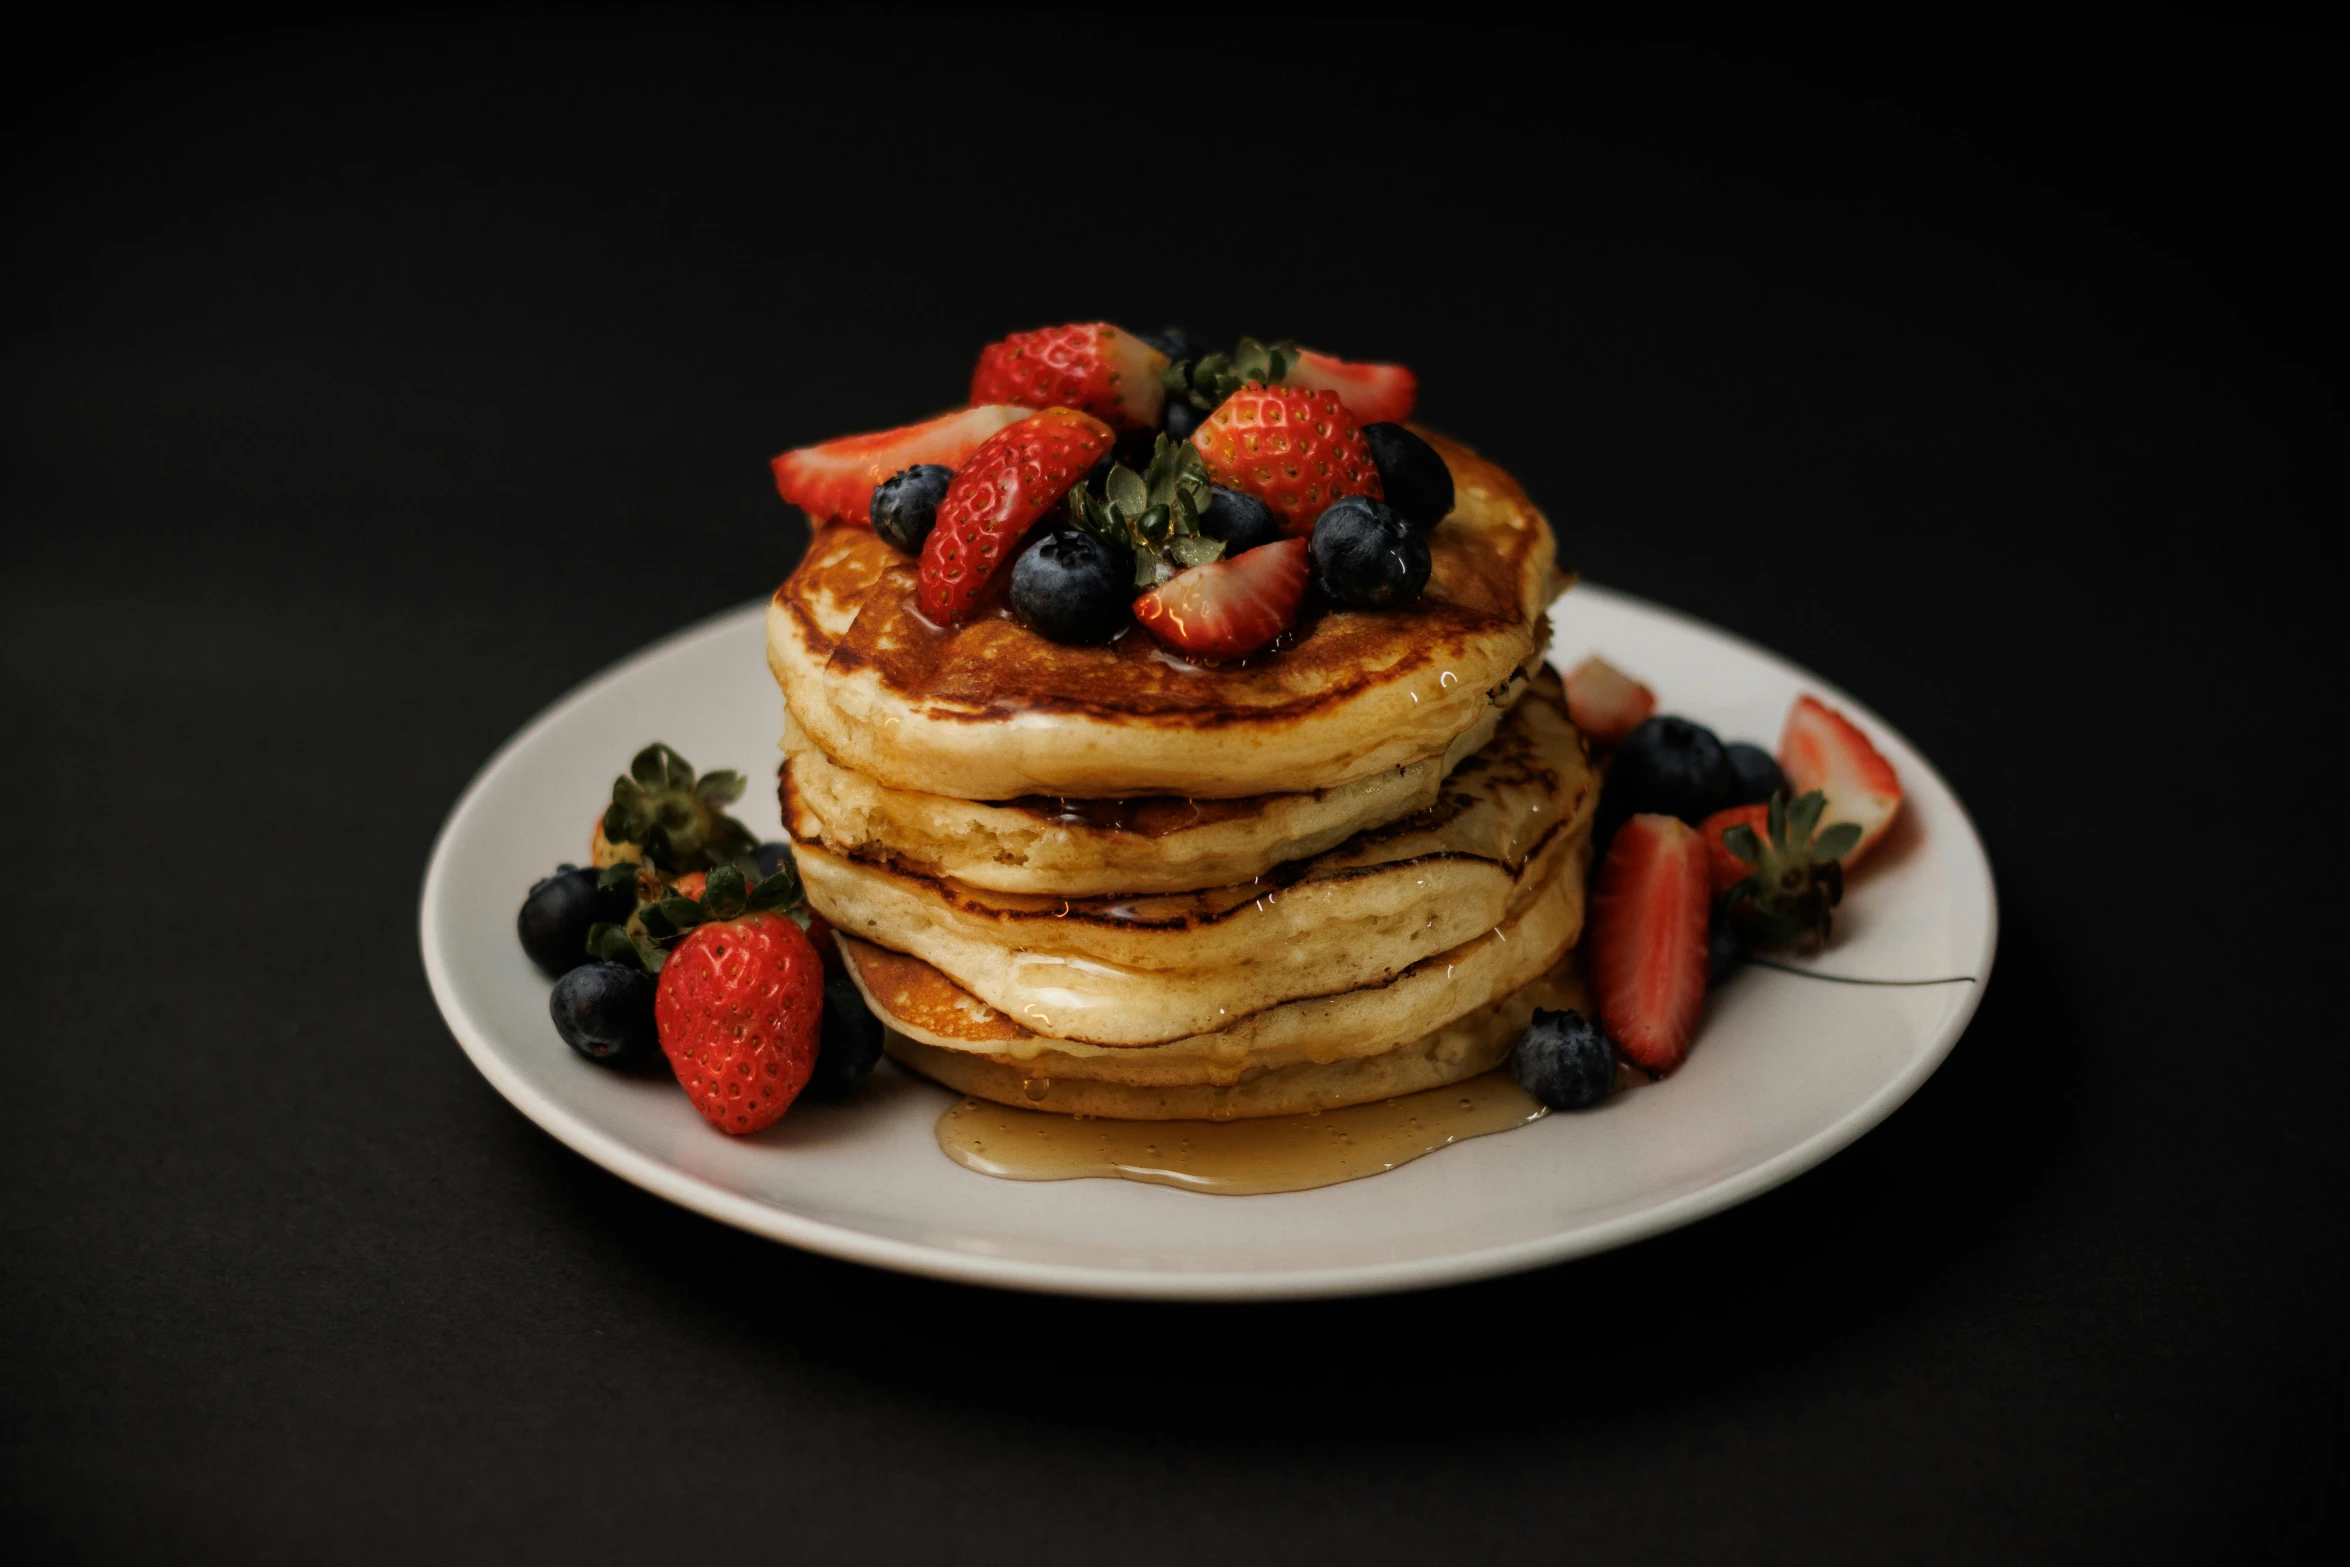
(1275, 1153)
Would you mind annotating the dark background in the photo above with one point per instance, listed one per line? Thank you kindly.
(368, 385)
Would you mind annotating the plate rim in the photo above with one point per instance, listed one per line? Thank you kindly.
(697, 1195)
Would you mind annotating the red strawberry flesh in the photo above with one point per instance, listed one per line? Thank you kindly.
(1013, 479)
(1294, 449)
(1728, 869)
(1091, 366)
(1648, 919)
(738, 1011)
(1374, 394)
(1822, 749)
(1229, 608)
(834, 482)
(1605, 703)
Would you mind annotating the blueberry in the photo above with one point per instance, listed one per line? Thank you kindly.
(1725, 949)
(1071, 586)
(1238, 518)
(1757, 772)
(850, 1044)
(1417, 482)
(1671, 767)
(605, 1012)
(1180, 419)
(1177, 344)
(906, 503)
(1564, 1060)
(554, 920)
(1366, 556)
(770, 858)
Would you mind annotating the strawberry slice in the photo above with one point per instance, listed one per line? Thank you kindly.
(1091, 366)
(1821, 749)
(1605, 703)
(1229, 608)
(1647, 939)
(1294, 449)
(1015, 477)
(834, 482)
(1374, 394)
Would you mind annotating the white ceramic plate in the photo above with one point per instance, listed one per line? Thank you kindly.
(1786, 1071)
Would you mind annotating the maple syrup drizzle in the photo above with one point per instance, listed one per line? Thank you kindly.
(1279, 1153)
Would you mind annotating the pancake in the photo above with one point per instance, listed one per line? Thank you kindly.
(990, 711)
(1146, 968)
(1473, 1043)
(924, 1004)
(1086, 848)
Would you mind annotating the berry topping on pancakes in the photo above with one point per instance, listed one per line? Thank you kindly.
(906, 504)
(1091, 366)
(1072, 586)
(1366, 556)
(1164, 458)
(1229, 608)
(1295, 450)
(1013, 479)
(1374, 394)
(834, 482)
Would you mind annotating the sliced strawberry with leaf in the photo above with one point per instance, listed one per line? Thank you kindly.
(1374, 394)
(1293, 449)
(1822, 749)
(1605, 703)
(1775, 868)
(1648, 939)
(1091, 366)
(1016, 476)
(834, 482)
(1229, 608)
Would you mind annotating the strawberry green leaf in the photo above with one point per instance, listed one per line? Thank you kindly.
(1803, 816)
(1126, 491)
(1741, 841)
(1194, 550)
(779, 891)
(722, 894)
(1836, 841)
(609, 943)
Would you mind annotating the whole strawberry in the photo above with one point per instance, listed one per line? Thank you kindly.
(1015, 477)
(740, 1004)
(1295, 450)
(1777, 877)
(1091, 366)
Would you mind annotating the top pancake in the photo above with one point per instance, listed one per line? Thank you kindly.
(990, 711)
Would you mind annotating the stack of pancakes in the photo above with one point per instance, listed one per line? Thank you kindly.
(1105, 881)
